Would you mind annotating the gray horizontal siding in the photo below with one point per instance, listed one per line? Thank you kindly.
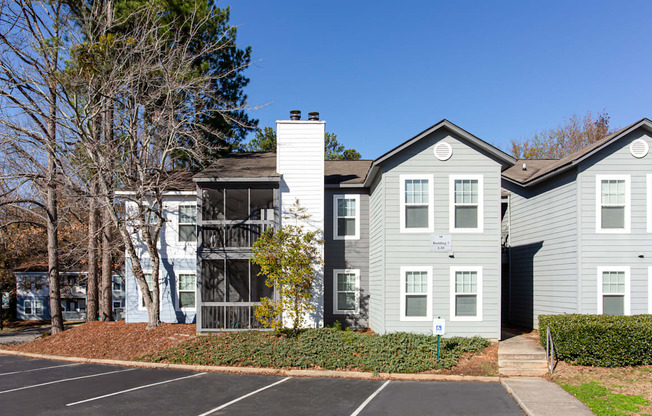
(346, 254)
(616, 249)
(409, 249)
(377, 256)
(543, 250)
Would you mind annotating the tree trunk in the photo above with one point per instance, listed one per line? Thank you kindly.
(51, 204)
(106, 307)
(91, 291)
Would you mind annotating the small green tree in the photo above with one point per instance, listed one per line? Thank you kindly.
(265, 141)
(288, 257)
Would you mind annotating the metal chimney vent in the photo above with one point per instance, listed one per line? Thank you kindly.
(639, 148)
(443, 151)
(295, 115)
(313, 116)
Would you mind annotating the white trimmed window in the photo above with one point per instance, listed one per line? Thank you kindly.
(38, 307)
(141, 301)
(415, 292)
(346, 217)
(28, 307)
(416, 196)
(613, 203)
(466, 203)
(188, 223)
(466, 293)
(346, 291)
(187, 284)
(117, 304)
(613, 290)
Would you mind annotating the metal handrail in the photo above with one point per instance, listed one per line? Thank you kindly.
(550, 351)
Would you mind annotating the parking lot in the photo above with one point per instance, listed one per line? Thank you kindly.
(43, 387)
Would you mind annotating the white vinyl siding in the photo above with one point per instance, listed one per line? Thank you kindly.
(186, 286)
(416, 293)
(613, 204)
(346, 284)
(466, 198)
(346, 217)
(188, 223)
(613, 290)
(648, 181)
(466, 293)
(417, 202)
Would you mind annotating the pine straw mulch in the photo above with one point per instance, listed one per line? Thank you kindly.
(110, 340)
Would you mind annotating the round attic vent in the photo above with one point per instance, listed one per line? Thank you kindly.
(639, 148)
(443, 151)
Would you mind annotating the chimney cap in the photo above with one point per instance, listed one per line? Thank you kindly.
(295, 115)
(313, 115)
(524, 166)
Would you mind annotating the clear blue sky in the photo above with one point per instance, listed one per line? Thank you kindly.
(380, 72)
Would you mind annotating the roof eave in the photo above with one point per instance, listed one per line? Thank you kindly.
(264, 179)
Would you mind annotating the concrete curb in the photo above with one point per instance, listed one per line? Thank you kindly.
(261, 370)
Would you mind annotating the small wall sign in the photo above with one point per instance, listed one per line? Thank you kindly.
(440, 242)
(439, 326)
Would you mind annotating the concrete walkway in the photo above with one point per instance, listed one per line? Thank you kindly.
(540, 397)
(521, 358)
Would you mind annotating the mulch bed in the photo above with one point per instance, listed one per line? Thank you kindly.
(110, 340)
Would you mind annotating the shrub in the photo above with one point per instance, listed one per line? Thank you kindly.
(326, 348)
(599, 340)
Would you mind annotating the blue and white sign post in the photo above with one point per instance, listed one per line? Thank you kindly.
(439, 329)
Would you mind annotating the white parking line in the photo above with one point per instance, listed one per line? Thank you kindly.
(38, 369)
(66, 379)
(369, 399)
(133, 389)
(243, 397)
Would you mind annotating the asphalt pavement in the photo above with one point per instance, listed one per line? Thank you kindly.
(46, 387)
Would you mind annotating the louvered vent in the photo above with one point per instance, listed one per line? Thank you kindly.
(639, 148)
(443, 151)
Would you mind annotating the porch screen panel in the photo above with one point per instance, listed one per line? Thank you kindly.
(213, 281)
(262, 204)
(258, 287)
(237, 204)
(213, 204)
(237, 275)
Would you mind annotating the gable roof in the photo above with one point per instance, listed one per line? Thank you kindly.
(544, 169)
(505, 159)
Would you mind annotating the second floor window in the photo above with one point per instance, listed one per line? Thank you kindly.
(346, 219)
(187, 223)
(466, 203)
(416, 203)
(613, 208)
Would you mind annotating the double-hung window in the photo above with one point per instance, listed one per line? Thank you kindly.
(466, 293)
(346, 284)
(188, 223)
(346, 217)
(613, 290)
(150, 282)
(28, 307)
(466, 203)
(187, 285)
(415, 292)
(613, 203)
(416, 196)
(38, 307)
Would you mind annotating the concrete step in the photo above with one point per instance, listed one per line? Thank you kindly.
(532, 364)
(522, 356)
(523, 372)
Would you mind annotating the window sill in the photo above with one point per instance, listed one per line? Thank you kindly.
(415, 319)
(466, 319)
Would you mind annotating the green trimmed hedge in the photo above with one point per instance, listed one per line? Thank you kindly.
(326, 348)
(600, 340)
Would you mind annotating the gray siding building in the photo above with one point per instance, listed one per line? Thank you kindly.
(581, 228)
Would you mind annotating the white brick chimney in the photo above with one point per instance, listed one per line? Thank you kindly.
(300, 161)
